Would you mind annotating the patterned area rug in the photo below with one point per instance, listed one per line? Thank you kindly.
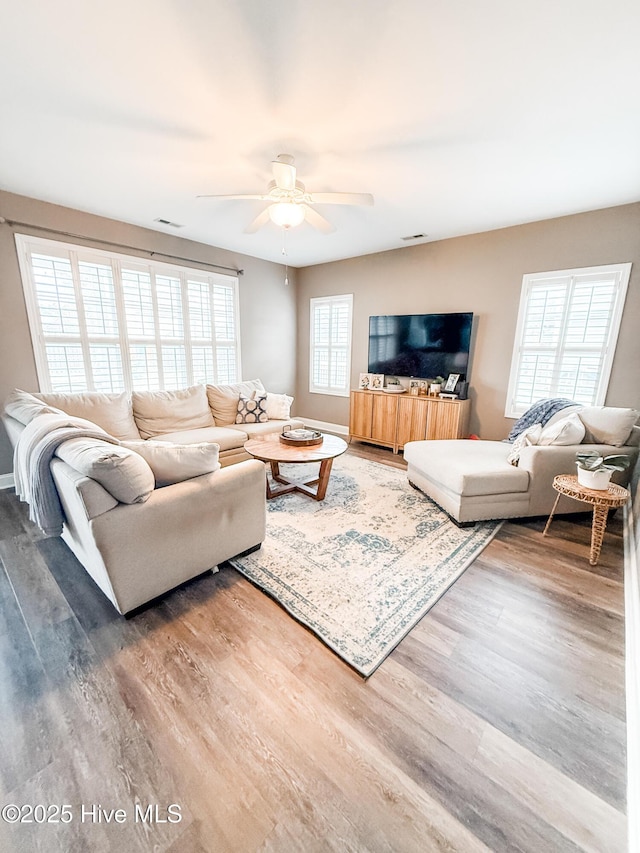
(362, 567)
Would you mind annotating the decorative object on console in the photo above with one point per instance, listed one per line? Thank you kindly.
(364, 383)
(452, 381)
(414, 387)
(377, 381)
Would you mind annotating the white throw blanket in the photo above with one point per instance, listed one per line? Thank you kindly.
(32, 457)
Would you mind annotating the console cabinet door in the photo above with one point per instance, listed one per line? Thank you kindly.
(412, 419)
(360, 415)
(448, 419)
(385, 412)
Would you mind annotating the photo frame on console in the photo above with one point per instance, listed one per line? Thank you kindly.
(451, 383)
(364, 383)
(376, 381)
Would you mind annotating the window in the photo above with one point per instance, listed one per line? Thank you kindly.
(101, 321)
(566, 336)
(330, 345)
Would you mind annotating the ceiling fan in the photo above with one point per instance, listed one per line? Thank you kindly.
(290, 203)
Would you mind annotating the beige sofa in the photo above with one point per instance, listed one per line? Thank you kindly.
(137, 525)
(475, 481)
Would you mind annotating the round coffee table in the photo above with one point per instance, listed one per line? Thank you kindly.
(602, 500)
(270, 449)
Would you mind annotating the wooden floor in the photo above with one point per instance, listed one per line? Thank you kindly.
(497, 724)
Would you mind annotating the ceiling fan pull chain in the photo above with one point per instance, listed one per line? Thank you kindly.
(284, 252)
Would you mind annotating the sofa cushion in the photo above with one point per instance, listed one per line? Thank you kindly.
(565, 431)
(278, 406)
(607, 425)
(252, 410)
(24, 407)
(123, 473)
(223, 399)
(467, 467)
(112, 412)
(159, 412)
(173, 463)
(226, 438)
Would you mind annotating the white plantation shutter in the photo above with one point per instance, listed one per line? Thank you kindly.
(566, 336)
(330, 344)
(107, 322)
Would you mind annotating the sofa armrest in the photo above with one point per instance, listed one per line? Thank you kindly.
(548, 460)
(544, 462)
(181, 531)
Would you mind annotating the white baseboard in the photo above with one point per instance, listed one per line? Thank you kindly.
(6, 481)
(632, 674)
(324, 426)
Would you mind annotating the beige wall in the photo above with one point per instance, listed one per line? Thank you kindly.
(480, 273)
(267, 307)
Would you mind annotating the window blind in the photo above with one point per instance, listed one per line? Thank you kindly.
(101, 321)
(566, 335)
(330, 344)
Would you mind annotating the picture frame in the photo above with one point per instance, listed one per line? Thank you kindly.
(452, 381)
(376, 382)
(414, 387)
(364, 383)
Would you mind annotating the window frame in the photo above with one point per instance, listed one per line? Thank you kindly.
(620, 274)
(314, 302)
(124, 339)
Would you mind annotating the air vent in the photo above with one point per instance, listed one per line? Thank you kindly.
(168, 222)
(414, 237)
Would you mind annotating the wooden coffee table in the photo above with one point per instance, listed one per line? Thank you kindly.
(270, 449)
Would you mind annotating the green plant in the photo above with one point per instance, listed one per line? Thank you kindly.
(393, 380)
(591, 460)
(439, 380)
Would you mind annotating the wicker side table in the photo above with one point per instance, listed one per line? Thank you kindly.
(601, 500)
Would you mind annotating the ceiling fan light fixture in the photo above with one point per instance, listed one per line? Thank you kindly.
(286, 214)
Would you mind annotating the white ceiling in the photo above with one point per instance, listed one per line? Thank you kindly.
(459, 116)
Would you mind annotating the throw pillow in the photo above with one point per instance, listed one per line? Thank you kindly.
(24, 407)
(159, 412)
(569, 430)
(123, 473)
(279, 407)
(252, 410)
(223, 399)
(607, 425)
(112, 412)
(173, 463)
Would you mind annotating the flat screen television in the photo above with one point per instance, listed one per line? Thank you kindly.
(422, 345)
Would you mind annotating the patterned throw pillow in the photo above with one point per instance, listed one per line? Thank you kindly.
(252, 410)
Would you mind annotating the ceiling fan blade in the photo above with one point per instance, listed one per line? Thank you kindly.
(313, 218)
(284, 174)
(260, 220)
(341, 198)
(258, 197)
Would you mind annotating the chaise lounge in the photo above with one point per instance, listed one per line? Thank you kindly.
(475, 481)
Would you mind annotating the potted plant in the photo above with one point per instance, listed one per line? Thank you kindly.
(436, 386)
(594, 470)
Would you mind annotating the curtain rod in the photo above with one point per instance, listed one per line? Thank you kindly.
(150, 252)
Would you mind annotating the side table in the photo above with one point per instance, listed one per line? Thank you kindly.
(601, 500)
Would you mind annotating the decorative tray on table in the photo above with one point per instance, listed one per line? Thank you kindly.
(301, 437)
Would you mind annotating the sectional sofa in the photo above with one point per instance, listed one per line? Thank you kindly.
(155, 487)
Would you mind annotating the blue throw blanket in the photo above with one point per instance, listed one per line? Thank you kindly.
(539, 413)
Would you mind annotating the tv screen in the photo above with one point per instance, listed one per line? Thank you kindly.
(422, 345)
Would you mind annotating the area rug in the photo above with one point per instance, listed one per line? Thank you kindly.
(362, 567)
